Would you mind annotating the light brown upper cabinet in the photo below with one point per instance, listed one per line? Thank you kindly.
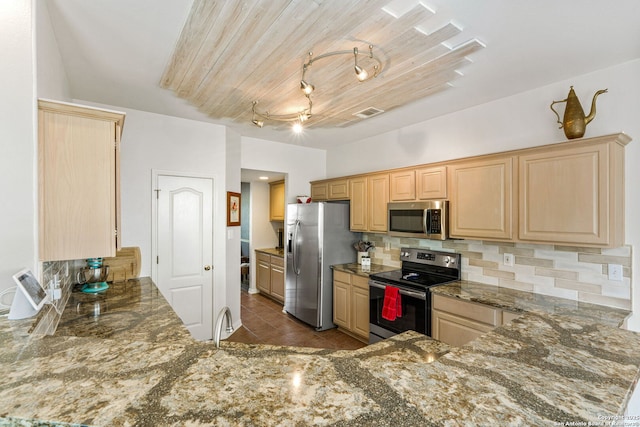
(402, 186)
(377, 204)
(319, 191)
(338, 189)
(333, 189)
(369, 198)
(481, 199)
(418, 184)
(79, 184)
(431, 183)
(276, 201)
(574, 192)
(358, 218)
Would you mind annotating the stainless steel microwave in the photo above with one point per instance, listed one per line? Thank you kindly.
(424, 220)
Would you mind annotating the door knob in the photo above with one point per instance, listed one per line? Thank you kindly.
(207, 267)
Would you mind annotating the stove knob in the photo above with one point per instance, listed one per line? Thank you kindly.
(446, 260)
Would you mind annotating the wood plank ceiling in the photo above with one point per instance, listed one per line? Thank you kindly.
(232, 53)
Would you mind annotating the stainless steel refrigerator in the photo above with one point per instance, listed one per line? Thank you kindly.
(318, 237)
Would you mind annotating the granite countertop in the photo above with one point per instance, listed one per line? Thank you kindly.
(354, 268)
(521, 302)
(135, 364)
(272, 251)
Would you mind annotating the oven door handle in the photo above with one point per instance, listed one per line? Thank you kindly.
(419, 295)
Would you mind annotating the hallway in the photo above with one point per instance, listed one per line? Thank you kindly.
(265, 323)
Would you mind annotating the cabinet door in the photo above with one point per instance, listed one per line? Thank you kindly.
(431, 183)
(338, 189)
(564, 195)
(378, 197)
(277, 278)
(341, 303)
(481, 202)
(360, 306)
(276, 201)
(402, 186)
(358, 205)
(454, 330)
(319, 192)
(263, 273)
(77, 186)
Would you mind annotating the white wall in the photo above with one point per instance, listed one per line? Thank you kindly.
(51, 75)
(261, 232)
(519, 121)
(300, 164)
(18, 140)
(232, 270)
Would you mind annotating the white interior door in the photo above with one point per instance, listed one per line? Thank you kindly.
(185, 250)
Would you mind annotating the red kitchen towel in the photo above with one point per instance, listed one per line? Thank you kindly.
(391, 303)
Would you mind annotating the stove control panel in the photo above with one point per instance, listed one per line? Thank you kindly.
(430, 257)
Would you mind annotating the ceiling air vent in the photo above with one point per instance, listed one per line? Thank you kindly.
(368, 112)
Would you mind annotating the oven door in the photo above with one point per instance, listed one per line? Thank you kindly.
(415, 312)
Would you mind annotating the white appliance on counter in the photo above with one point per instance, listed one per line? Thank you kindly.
(318, 237)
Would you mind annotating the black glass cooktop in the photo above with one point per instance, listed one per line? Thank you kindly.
(411, 278)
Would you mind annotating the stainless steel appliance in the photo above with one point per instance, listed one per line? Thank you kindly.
(421, 270)
(425, 220)
(318, 236)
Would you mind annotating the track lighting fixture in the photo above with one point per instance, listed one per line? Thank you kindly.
(307, 87)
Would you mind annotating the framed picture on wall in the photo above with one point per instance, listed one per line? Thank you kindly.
(233, 209)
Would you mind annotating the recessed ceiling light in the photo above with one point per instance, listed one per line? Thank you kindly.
(264, 178)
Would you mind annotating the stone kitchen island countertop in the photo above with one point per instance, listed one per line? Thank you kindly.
(135, 365)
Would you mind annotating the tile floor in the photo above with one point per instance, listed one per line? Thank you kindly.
(263, 322)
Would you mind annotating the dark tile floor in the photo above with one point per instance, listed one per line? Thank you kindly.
(264, 322)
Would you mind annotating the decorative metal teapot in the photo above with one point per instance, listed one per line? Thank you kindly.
(574, 121)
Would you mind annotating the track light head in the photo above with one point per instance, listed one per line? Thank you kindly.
(306, 87)
(361, 73)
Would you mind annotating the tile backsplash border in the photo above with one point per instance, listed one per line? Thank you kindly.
(572, 272)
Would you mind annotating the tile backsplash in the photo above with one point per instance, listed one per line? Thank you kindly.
(49, 316)
(576, 273)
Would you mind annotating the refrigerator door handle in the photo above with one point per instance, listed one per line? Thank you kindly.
(296, 267)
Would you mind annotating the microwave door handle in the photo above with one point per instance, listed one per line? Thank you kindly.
(426, 220)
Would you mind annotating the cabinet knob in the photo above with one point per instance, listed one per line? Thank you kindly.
(207, 267)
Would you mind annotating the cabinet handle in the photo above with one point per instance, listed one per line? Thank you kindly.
(207, 267)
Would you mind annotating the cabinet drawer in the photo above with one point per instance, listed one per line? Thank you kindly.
(360, 282)
(341, 276)
(261, 256)
(473, 311)
(276, 260)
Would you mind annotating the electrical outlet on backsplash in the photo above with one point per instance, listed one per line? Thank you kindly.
(49, 316)
(572, 272)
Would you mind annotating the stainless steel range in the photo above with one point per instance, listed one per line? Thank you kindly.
(421, 269)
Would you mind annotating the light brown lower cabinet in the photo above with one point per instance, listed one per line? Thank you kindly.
(351, 304)
(457, 322)
(270, 275)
